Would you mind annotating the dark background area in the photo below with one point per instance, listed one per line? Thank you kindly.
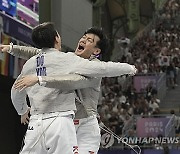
(11, 130)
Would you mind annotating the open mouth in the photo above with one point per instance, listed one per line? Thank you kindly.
(80, 47)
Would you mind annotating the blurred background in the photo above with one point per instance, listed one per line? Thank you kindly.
(145, 33)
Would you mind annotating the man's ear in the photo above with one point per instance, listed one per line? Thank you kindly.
(97, 51)
(57, 39)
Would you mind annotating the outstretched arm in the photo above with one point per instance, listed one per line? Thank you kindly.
(105, 69)
(102, 69)
(23, 52)
(63, 82)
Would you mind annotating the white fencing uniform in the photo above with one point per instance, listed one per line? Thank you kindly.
(52, 110)
(82, 66)
(86, 123)
(87, 129)
(50, 133)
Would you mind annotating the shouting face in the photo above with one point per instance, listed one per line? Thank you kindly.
(87, 46)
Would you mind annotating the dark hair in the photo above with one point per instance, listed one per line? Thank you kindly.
(44, 35)
(103, 43)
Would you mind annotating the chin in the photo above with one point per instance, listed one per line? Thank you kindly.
(78, 52)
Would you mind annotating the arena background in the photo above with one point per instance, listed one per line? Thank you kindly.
(141, 32)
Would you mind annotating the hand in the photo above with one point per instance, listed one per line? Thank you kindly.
(134, 71)
(25, 117)
(26, 81)
(4, 48)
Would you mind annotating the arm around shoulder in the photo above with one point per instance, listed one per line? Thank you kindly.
(68, 82)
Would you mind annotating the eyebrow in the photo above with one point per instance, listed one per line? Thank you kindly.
(89, 37)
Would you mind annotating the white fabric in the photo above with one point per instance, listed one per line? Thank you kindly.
(45, 100)
(49, 134)
(41, 83)
(88, 135)
(58, 63)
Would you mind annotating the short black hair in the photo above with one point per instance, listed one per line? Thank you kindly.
(44, 35)
(103, 43)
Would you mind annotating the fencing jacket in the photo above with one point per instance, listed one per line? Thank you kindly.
(74, 64)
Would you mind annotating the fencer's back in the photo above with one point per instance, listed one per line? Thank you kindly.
(49, 62)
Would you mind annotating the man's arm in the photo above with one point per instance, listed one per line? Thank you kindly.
(19, 100)
(63, 82)
(101, 69)
(23, 52)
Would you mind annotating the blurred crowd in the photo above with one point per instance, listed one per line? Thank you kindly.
(156, 51)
